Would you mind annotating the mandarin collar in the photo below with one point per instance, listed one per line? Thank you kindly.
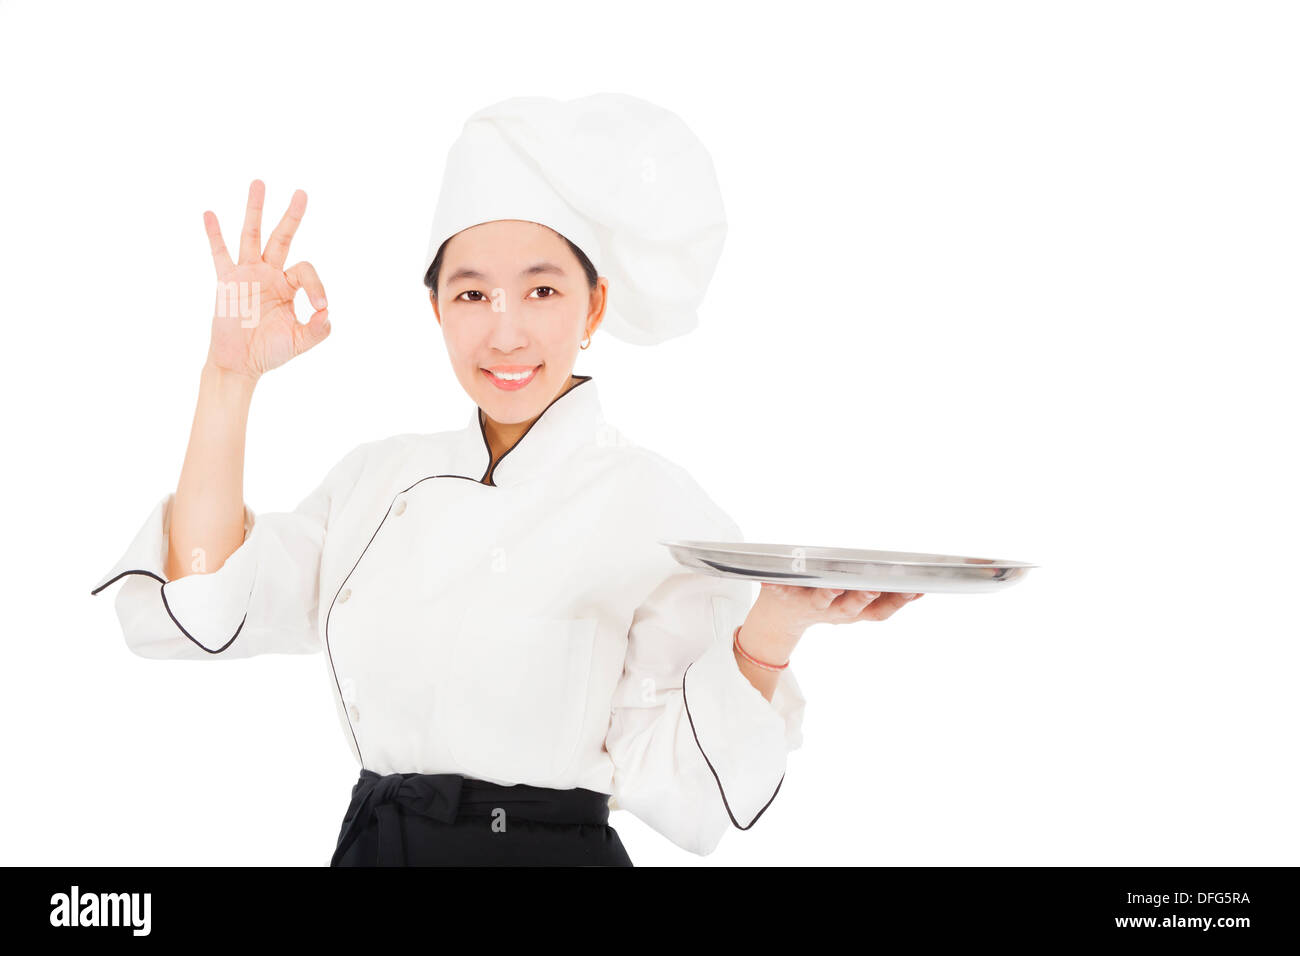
(569, 422)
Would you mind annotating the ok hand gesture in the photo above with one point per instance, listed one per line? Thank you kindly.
(254, 328)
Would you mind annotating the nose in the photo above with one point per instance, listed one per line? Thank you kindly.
(508, 332)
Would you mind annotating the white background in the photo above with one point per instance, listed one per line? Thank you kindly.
(1006, 279)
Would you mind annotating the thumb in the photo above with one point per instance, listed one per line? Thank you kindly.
(311, 334)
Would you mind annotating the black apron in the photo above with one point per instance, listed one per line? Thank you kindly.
(445, 819)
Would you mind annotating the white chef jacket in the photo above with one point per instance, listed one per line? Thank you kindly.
(527, 629)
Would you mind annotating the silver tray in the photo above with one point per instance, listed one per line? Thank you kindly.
(848, 568)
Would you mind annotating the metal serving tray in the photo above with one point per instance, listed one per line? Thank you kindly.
(848, 568)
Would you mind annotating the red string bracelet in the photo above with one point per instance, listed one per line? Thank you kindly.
(735, 640)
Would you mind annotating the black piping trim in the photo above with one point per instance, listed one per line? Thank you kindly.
(485, 480)
(491, 468)
(734, 822)
(162, 590)
(124, 574)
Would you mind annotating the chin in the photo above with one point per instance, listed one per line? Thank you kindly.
(512, 407)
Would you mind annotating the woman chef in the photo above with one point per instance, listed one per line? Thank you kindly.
(510, 648)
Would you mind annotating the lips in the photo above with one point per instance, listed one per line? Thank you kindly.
(511, 377)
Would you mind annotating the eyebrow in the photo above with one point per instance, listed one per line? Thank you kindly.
(534, 269)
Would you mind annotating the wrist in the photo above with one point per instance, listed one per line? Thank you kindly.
(769, 644)
(225, 384)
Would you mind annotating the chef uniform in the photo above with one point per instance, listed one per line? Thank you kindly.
(510, 649)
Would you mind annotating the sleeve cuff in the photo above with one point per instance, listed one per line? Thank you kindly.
(788, 701)
(208, 608)
(744, 738)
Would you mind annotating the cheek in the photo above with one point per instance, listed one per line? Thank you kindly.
(460, 338)
(556, 339)
(562, 330)
(559, 350)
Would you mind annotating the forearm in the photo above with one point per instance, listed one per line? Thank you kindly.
(207, 519)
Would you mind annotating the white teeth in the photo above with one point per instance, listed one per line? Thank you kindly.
(513, 376)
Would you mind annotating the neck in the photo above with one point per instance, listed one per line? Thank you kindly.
(502, 437)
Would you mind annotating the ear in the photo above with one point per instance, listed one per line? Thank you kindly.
(434, 302)
(596, 310)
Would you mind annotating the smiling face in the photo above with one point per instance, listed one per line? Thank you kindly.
(514, 305)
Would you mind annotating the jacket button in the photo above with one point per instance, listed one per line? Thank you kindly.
(344, 595)
(400, 506)
(353, 712)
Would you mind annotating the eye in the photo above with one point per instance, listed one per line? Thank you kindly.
(482, 298)
(549, 290)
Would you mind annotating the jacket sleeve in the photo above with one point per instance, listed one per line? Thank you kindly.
(697, 748)
(262, 600)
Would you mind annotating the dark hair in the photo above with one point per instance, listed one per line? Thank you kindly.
(431, 275)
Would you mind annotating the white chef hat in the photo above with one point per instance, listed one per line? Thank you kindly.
(622, 179)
